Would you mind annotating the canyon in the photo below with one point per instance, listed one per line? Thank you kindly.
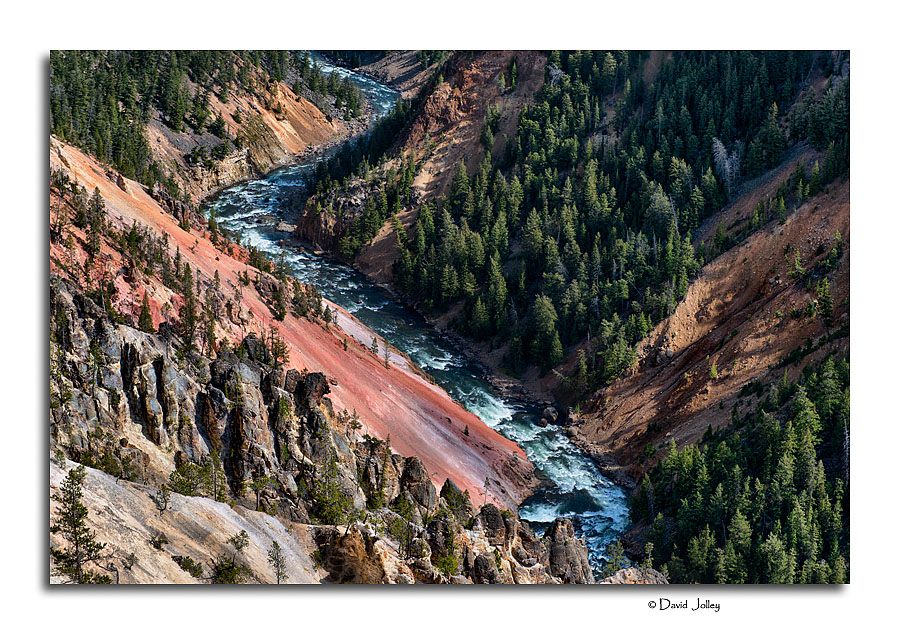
(316, 368)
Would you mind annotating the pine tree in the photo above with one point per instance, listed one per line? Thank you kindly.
(823, 297)
(189, 316)
(496, 290)
(145, 321)
(213, 477)
(258, 485)
(71, 523)
(459, 189)
(479, 320)
(186, 479)
(331, 503)
(546, 346)
(805, 415)
(278, 562)
(777, 563)
(96, 215)
(774, 138)
(615, 558)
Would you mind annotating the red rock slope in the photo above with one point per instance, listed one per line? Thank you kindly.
(399, 401)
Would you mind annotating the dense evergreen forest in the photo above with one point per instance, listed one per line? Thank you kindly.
(582, 228)
(764, 500)
(359, 158)
(103, 100)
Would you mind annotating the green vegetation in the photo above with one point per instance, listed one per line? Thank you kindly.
(186, 479)
(582, 228)
(401, 525)
(331, 504)
(427, 58)
(102, 101)
(278, 562)
(258, 485)
(71, 523)
(764, 500)
(194, 568)
(225, 570)
(158, 540)
(615, 559)
(207, 478)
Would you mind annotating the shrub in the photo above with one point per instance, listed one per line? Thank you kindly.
(226, 571)
(194, 568)
(158, 540)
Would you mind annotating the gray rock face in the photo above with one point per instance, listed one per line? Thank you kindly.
(417, 483)
(124, 399)
(491, 521)
(440, 537)
(630, 576)
(550, 415)
(107, 376)
(485, 570)
(568, 554)
(528, 550)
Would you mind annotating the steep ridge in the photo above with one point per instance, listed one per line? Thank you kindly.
(395, 401)
(276, 129)
(447, 131)
(744, 320)
(401, 70)
(238, 429)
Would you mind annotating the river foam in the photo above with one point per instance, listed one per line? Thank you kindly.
(577, 490)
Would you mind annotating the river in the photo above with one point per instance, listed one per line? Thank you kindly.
(577, 490)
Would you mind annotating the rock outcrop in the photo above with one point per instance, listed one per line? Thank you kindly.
(421, 419)
(130, 404)
(630, 576)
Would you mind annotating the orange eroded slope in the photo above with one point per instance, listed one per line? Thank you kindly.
(745, 314)
(420, 418)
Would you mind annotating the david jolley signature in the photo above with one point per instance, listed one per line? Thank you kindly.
(668, 604)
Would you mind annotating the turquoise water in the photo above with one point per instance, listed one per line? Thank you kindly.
(577, 490)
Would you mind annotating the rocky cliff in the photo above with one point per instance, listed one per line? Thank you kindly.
(129, 404)
(396, 400)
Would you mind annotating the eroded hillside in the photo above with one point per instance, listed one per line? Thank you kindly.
(274, 128)
(396, 401)
(751, 315)
(185, 432)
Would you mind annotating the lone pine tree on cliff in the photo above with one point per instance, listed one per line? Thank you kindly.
(278, 562)
(83, 546)
(145, 320)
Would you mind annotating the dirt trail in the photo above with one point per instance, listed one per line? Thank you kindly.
(396, 401)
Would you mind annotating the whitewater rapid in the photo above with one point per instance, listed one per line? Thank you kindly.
(577, 490)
